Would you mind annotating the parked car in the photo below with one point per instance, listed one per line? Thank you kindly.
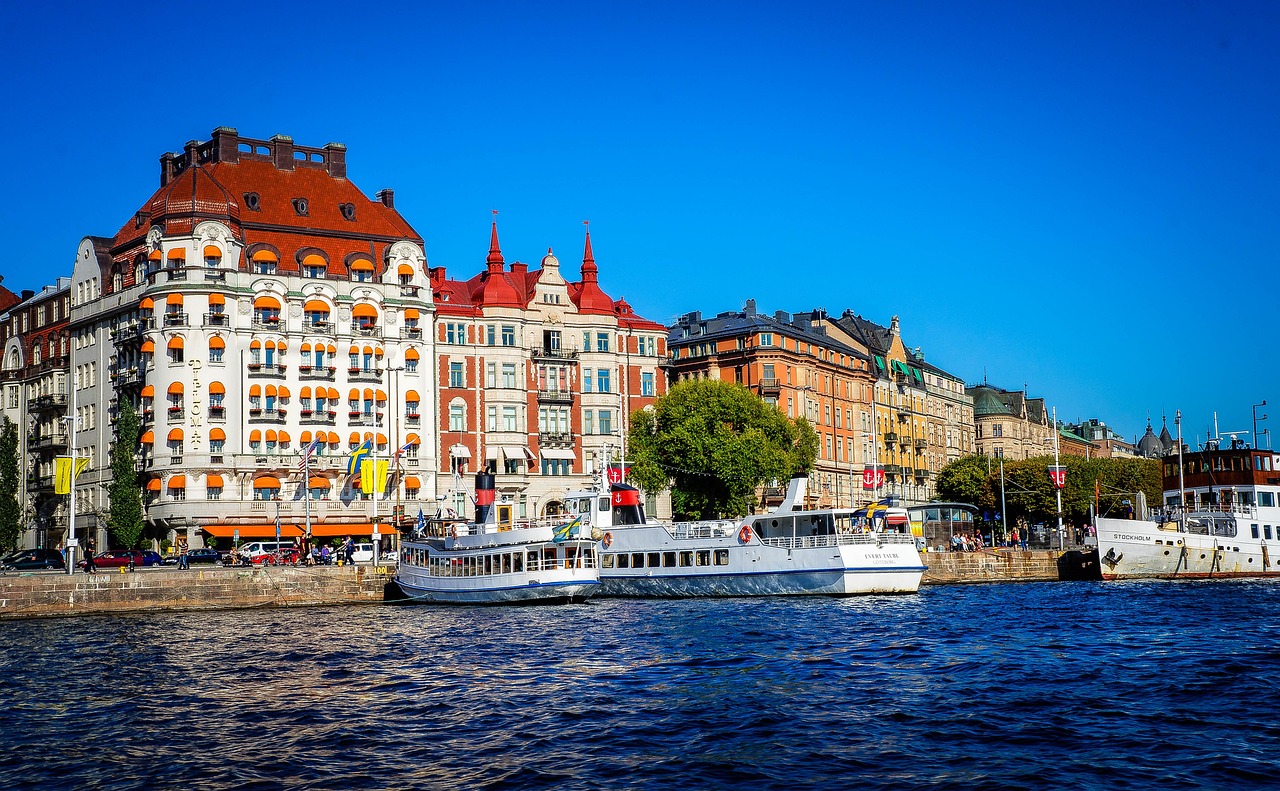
(121, 557)
(194, 556)
(255, 549)
(28, 559)
(281, 557)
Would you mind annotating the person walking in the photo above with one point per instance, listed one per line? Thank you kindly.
(348, 550)
(183, 561)
(89, 566)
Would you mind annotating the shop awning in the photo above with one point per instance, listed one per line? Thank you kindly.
(253, 531)
(558, 453)
(460, 452)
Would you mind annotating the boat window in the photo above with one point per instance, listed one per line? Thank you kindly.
(637, 560)
(624, 561)
(532, 560)
(1266, 531)
(506, 564)
(549, 558)
(604, 505)
(655, 559)
(607, 561)
(686, 558)
(488, 564)
(517, 562)
(669, 560)
(722, 557)
(1253, 530)
(704, 557)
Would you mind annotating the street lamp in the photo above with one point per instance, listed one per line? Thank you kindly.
(1256, 442)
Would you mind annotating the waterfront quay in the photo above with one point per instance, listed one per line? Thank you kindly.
(52, 594)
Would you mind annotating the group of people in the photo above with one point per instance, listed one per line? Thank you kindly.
(324, 556)
(972, 542)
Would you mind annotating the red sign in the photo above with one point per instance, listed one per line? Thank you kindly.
(1058, 476)
(872, 478)
(615, 472)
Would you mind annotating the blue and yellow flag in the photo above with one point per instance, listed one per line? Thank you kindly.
(568, 530)
(357, 455)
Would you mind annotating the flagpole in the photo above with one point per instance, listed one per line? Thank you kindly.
(1057, 489)
(306, 491)
(71, 503)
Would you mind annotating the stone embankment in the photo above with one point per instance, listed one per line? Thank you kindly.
(107, 592)
(1005, 565)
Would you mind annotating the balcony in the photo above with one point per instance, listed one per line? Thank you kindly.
(319, 373)
(147, 416)
(921, 472)
(175, 413)
(364, 374)
(48, 441)
(267, 324)
(217, 413)
(321, 418)
(892, 469)
(175, 319)
(176, 273)
(317, 326)
(266, 415)
(411, 332)
(922, 444)
(126, 333)
(50, 401)
(555, 439)
(39, 483)
(409, 291)
(561, 355)
(266, 370)
(413, 419)
(555, 396)
(365, 330)
(216, 320)
(770, 386)
(890, 436)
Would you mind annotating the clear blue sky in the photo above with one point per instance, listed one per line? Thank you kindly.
(1078, 196)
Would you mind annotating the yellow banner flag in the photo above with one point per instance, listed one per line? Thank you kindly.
(62, 473)
(366, 476)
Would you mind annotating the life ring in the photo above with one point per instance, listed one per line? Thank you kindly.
(744, 535)
(607, 540)
(453, 531)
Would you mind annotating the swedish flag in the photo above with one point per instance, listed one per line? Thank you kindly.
(357, 455)
(567, 530)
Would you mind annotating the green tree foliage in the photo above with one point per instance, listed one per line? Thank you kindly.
(713, 443)
(1029, 496)
(125, 519)
(10, 508)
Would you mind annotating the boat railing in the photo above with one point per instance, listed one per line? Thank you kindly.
(1219, 520)
(718, 529)
(837, 539)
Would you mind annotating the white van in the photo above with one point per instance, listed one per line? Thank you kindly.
(256, 549)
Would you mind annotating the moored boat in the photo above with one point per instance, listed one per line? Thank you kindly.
(788, 551)
(497, 560)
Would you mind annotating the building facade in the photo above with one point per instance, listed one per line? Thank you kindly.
(1104, 441)
(35, 339)
(538, 376)
(791, 362)
(1010, 424)
(256, 305)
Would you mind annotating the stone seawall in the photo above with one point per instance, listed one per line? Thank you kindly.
(948, 568)
(53, 595)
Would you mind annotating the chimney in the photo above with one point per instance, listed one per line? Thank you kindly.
(192, 152)
(894, 329)
(518, 268)
(385, 197)
(166, 168)
(282, 152)
(335, 160)
(750, 309)
(27, 294)
(782, 316)
(226, 145)
(437, 275)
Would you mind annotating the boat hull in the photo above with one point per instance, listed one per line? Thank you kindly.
(566, 592)
(1140, 549)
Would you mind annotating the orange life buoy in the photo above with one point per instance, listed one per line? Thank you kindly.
(453, 531)
(607, 540)
(744, 535)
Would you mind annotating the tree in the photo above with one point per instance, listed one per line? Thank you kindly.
(713, 443)
(125, 522)
(966, 480)
(10, 508)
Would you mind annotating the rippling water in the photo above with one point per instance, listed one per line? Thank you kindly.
(1081, 685)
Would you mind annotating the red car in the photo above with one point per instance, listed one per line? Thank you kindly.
(282, 557)
(121, 557)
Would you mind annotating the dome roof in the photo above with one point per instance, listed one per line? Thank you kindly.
(1150, 445)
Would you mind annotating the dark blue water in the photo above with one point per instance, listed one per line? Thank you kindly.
(1060, 686)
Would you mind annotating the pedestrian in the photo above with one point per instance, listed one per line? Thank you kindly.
(183, 562)
(89, 566)
(326, 557)
(349, 550)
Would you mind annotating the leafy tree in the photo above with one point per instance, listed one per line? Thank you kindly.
(713, 443)
(966, 480)
(10, 508)
(125, 522)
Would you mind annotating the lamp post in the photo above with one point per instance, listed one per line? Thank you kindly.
(1256, 442)
(394, 431)
(1058, 489)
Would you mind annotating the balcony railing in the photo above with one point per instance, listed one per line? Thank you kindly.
(555, 396)
(268, 323)
(216, 320)
(266, 369)
(770, 386)
(317, 326)
(413, 419)
(555, 438)
(890, 436)
(565, 355)
(49, 401)
(217, 413)
(322, 418)
(175, 319)
(364, 374)
(175, 414)
(312, 372)
(411, 332)
(266, 415)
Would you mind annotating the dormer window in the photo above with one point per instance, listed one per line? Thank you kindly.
(362, 270)
(348, 211)
(264, 262)
(252, 201)
(301, 206)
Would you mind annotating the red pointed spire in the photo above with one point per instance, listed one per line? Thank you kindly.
(495, 252)
(588, 260)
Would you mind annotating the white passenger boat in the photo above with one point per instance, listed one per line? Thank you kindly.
(1219, 519)
(497, 560)
(785, 552)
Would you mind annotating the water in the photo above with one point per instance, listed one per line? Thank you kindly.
(1062, 686)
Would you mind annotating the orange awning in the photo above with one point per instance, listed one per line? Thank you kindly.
(217, 299)
(178, 254)
(178, 482)
(212, 481)
(212, 252)
(305, 392)
(267, 302)
(411, 353)
(147, 303)
(382, 396)
(174, 299)
(318, 482)
(332, 349)
(411, 482)
(271, 435)
(254, 531)
(284, 436)
(153, 485)
(368, 394)
(266, 482)
(382, 438)
(363, 310)
(412, 439)
(282, 347)
(304, 348)
(148, 346)
(271, 390)
(355, 438)
(149, 438)
(316, 306)
(354, 350)
(283, 392)
(216, 342)
(255, 435)
(314, 260)
(217, 434)
(175, 388)
(411, 395)
(217, 388)
(305, 439)
(405, 269)
(255, 390)
(175, 342)
(269, 345)
(265, 255)
(255, 344)
(175, 435)
(362, 265)
(149, 391)
(333, 393)
(334, 439)
(354, 395)
(411, 313)
(154, 255)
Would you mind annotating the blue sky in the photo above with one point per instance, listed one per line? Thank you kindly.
(1082, 197)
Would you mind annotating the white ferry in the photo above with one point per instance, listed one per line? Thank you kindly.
(1219, 519)
(496, 560)
(785, 552)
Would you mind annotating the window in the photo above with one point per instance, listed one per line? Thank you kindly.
(213, 493)
(602, 341)
(766, 339)
(493, 419)
(457, 418)
(509, 375)
(491, 332)
(646, 384)
(491, 375)
(551, 340)
(313, 272)
(588, 421)
(509, 418)
(557, 466)
(997, 430)
(602, 380)
(605, 416)
(456, 375)
(508, 335)
(455, 334)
